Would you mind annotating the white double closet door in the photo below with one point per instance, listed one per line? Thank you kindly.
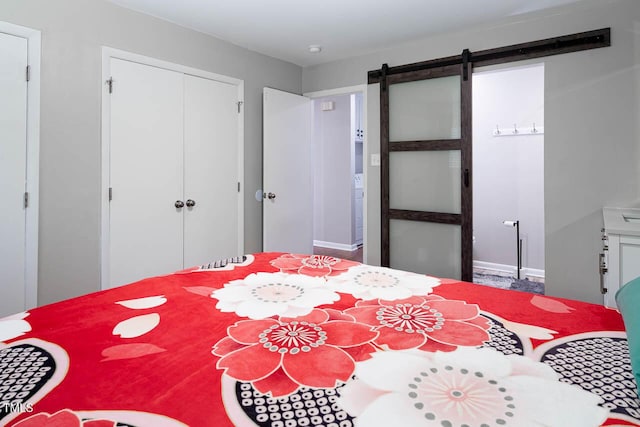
(174, 171)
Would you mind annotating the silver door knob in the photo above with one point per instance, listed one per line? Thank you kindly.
(271, 196)
(179, 204)
(191, 203)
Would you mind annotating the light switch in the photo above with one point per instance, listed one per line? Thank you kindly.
(375, 160)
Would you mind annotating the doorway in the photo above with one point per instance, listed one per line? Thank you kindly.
(508, 185)
(337, 152)
(288, 180)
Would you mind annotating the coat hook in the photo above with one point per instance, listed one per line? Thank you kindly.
(534, 130)
(515, 129)
(497, 132)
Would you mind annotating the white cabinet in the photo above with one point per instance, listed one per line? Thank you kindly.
(173, 172)
(620, 260)
(358, 209)
(357, 159)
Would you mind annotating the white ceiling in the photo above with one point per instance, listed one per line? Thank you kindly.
(285, 28)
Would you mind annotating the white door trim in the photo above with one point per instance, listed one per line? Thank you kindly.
(33, 157)
(107, 54)
(365, 149)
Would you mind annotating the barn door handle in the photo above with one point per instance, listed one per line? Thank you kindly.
(466, 177)
(179, 204)
(191, 203)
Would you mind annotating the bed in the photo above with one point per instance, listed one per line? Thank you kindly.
(286, 340)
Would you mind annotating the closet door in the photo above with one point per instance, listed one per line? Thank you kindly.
(146, 172)
(210, 171)
(13, 164)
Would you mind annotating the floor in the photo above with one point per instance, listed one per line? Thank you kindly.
(504, 280)
(350, 255)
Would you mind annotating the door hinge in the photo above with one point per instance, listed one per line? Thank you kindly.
(110, 84)
(238, 186)
(110, 193)
(28, 75)
(26, 200)
(239, 105)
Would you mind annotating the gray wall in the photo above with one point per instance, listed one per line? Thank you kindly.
(508, 180)
(333, 170)
(591, 132)
(73, 32)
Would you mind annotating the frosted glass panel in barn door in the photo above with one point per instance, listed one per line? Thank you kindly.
(210, 171)
(146, 227)
(426, 192)
(13, 164)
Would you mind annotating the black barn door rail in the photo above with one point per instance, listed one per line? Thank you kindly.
(517, 52)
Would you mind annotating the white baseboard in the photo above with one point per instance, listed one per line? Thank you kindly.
(506, 268)
(333, 245)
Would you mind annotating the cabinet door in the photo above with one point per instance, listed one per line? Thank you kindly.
(211, 171)
(629, 258)
(146, 172)
(13, 166)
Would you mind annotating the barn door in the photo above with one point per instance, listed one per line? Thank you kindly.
(426, 191)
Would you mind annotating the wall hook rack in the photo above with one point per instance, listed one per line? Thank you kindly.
(518, 131)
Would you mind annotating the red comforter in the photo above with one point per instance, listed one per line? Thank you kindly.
(291, 340)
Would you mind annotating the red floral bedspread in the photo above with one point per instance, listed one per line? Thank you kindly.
(285, 340)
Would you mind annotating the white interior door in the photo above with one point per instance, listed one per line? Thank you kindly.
(211, 171)
(287, 173)
(146, 172)
(13, 164)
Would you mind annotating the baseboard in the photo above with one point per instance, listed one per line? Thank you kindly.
(333, 245)
(506, 268)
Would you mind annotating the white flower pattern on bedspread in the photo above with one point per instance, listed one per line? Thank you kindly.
(262, 295)
(14, 326)
(411, 389)
(367, 283)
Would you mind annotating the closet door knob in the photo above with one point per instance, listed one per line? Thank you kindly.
(179, 204)
(191, 203)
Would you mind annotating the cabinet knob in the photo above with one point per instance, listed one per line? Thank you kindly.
(191, 203)
(179, 204)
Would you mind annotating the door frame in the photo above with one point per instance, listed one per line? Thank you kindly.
(362, 89)
(32, 186)
(107, 54)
